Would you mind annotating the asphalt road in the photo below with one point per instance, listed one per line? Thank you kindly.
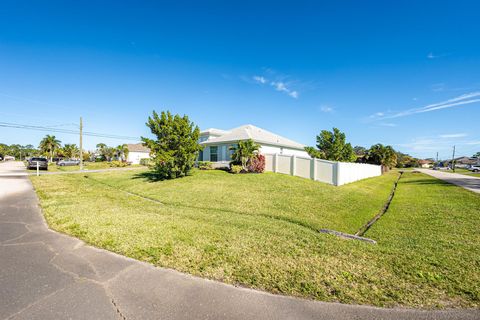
(47, 275)
(464, 181)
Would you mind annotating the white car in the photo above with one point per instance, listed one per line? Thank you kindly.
(474, 168)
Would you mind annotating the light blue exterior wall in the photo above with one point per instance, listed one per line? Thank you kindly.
(223, 152)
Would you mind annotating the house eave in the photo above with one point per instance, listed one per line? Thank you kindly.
(213, 142)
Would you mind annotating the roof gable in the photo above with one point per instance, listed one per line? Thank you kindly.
(137, 147)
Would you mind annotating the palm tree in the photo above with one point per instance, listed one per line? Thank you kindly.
(49, 145)
(244, 151)
(101, 148)
(121, 152)
(108, 153)
(382, 155)
(70, 150)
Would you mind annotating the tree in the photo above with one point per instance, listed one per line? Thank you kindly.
(314, 153)
(333, 146)
(16, 150)
(244, 151)
(49, 145)
(70, 151)
(476, 155)
(106, 152)
(121, 152)
(3, 150)
(87, 156)
(176, 145)
(359, 150)
(405, 160)
(382, 155)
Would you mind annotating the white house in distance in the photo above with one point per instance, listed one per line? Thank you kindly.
(217, 143)
(282, 155)
(136, 152)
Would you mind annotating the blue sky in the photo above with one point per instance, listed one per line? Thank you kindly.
(405, 73)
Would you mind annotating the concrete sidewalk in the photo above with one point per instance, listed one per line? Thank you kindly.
(47, 275)
(464, 181)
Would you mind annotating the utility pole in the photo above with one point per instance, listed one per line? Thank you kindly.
(81, 145)
(453, 161)
(437, 157)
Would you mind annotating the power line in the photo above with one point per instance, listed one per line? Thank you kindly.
(67, 131)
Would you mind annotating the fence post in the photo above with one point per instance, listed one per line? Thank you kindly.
(275, 162)
(293, 165)
(313, 169)
(337, 174)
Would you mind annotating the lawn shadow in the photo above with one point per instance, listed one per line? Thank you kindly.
(420, 181)
(152, 176)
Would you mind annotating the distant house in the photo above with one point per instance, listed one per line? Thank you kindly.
(425, 163)
(136, 152)
(464, 162)
(217, 143)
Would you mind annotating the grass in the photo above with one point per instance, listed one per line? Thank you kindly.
(463, 171)
(260, 231)
(86, 165)
(466, 172)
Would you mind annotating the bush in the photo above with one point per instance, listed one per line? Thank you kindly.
(175, 146)
(205, 165)
(117, 164)
(236, 169)
(145, 161)
(257, 164)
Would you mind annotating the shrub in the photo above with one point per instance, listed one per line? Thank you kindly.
(175, 146)
(244, 151)
(205, 165)
(236, 169)
(117, 164)
(145, 161)
(257, 164)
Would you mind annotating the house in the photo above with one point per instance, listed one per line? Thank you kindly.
(136, 152)
(425, 163)
(465, 162)
(217, 143)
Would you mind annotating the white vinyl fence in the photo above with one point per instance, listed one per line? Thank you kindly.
(332, 172)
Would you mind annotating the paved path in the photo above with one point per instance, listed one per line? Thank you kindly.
(47, 275)
(464, 181)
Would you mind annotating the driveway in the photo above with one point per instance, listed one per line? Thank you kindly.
(464, 181)
(47, 275)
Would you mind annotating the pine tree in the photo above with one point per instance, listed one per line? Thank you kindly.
(176, 145)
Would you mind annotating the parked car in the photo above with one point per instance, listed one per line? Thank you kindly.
(474, 168)
(42, 163)
(63, 163)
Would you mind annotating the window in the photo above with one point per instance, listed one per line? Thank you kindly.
(213, 154)
(200, 156)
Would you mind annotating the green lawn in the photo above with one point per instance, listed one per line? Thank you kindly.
(466, 172)
(86, 166)
(260, 231)
(463, 171)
